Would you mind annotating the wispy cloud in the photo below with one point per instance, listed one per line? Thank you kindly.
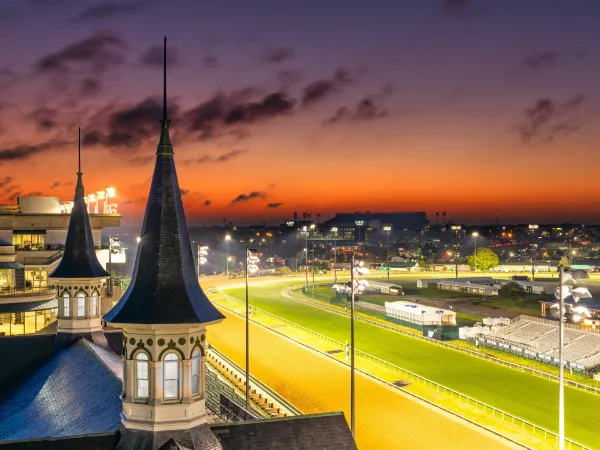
(246, 197)
(274, 205)
(548, 119)
(110, 10)
(219, 159)
(277, 55)
(539, 60)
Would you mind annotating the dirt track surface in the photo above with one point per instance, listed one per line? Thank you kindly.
(386, 419)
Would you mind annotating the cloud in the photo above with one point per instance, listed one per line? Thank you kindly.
(90, 86)
(130, 126)
(538, 60)
(224, 112)
(94, 54)
(320, 89)
(219, 159)
(455, 7)
(369, 108)
(44, 118)
(207, 203)
(5, 181)
(22, 152)
(184, 191)
(14, 196)
(274, 205)
(548, 119)
(109, 10)
(210, 62)
(153, 57)
(61, 183)
(244, 198)
(277, 55)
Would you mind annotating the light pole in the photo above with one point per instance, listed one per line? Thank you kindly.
(561, 370)
(305, 230)
(202, 253)
(227, 239)
(388, 229)
(352, 387)
(475, 234)
(531, 228)
(113, 245)
(312, 227)
(335, 230)
(456, 228)
(251, 260)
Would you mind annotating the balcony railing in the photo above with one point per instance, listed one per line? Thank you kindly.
(11, 291)
(42, 261)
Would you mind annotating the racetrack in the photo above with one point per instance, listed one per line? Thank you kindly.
(524, 395)
(386, 418)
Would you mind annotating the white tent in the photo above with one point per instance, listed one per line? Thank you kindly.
(420, 314)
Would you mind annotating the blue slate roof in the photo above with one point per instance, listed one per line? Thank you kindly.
(79, 258)
(164, 288)
(76, 392)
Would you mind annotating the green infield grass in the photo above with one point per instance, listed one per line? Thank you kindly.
(526, 396)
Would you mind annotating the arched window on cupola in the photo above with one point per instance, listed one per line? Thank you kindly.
(195, 372)
(171, 375)
(66, 304)
(95, 304)
(80, 304)
(142, 375)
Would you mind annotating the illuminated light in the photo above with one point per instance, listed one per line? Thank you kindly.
(227, 237)
(387, 228)
(100, 195)
(456, 227)
(92, 197)
(312, 227)
(138, 239)
(334, 229)
(475, 234)
(110, 192)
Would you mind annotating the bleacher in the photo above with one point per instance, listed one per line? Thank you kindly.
(581, 347)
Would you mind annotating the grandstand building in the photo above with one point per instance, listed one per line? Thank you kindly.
(536, 338)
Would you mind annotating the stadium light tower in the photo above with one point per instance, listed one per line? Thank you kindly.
(312, 227)
(388, 229)
(533, 227)
(251, 267)
(227, 239)
(335, 231)
(475, 234)
(456, 228)
(561, 370)
(305, 231)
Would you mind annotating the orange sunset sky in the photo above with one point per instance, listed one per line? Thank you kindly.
(474, 107)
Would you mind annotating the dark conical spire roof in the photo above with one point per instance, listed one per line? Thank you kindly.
(79, 258)
(164, 288)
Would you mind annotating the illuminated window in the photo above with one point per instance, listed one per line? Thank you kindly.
(171, 371)
(142, 375)
(95, 304)
(81, 304)
(195, 372)
(66, 305)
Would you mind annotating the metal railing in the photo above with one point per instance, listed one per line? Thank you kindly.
(536, 372)
(27, 291)
(42, 261)
(495, 412)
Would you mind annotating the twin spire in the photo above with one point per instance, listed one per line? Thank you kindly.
(165, 148)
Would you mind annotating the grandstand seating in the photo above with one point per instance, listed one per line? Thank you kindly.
(580, 346)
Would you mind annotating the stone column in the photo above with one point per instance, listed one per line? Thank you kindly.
(186, 381)
(156, 383)
(130, 380)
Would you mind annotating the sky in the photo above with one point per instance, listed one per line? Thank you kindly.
(471, 106)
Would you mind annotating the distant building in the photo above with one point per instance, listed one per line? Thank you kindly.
(32, 241)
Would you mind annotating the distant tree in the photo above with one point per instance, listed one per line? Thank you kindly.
(422, 263)
(283, 270)
(484, 259)
(511, 290)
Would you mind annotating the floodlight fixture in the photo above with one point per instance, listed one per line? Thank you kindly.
(387, 228)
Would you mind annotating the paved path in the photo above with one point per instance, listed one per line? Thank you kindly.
(386, 418)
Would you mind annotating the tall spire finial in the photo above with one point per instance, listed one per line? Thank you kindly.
(79, 149)
(165, 83)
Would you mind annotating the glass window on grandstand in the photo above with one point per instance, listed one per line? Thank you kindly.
(29, 240)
